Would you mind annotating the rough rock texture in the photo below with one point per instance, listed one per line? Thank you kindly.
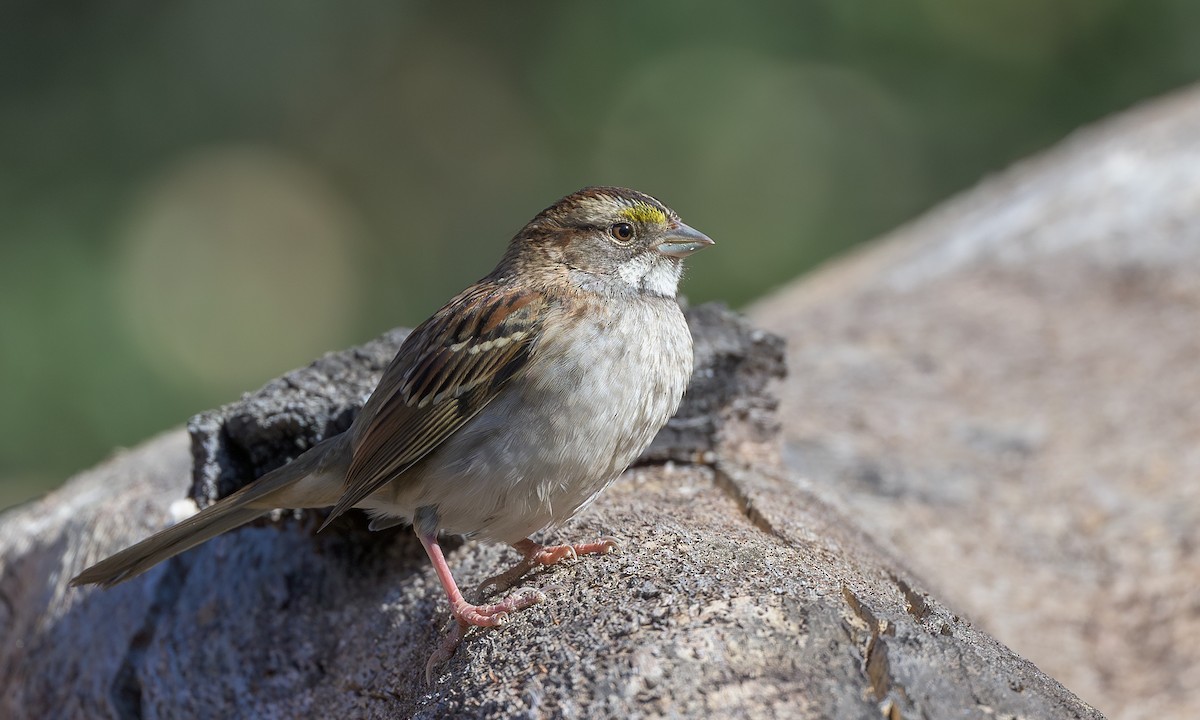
(738, 593)
(1007, 392)
(273, 425)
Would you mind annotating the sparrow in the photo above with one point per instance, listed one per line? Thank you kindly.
(509, 410)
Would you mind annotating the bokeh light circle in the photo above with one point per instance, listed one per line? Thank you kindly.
(773, 151)
(236, 264)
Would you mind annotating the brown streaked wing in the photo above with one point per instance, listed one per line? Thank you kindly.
(448, 369)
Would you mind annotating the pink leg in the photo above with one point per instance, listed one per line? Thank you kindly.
(467, 615)
(465, 612)
(534, 554)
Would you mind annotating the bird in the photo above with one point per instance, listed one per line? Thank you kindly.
(506, 412)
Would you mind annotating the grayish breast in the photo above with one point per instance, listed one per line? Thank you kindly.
(588, 404)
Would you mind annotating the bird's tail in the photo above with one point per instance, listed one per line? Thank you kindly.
(282, 487)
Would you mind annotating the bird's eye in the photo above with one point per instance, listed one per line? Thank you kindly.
(621, 232)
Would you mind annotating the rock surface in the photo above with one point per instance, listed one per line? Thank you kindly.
(1007, 394)
(738, 593)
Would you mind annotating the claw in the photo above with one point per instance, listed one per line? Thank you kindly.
(445, 650)
(532, 595)
(612, 546)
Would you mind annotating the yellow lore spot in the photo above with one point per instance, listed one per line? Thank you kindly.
(643, 213)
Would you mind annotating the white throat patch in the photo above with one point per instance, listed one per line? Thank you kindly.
(653, 274)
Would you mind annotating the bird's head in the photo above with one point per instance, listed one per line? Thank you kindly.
(609, 239)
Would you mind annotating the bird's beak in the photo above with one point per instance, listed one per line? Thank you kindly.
(681, 241)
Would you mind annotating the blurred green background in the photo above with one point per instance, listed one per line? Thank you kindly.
(197, 196)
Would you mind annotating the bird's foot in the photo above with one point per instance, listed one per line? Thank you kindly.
(467, 616)
(554, 554)
(497, 614)
(446, 648)
(546, 555)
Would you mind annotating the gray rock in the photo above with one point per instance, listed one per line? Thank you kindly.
(1006, 393)
(738, 593)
